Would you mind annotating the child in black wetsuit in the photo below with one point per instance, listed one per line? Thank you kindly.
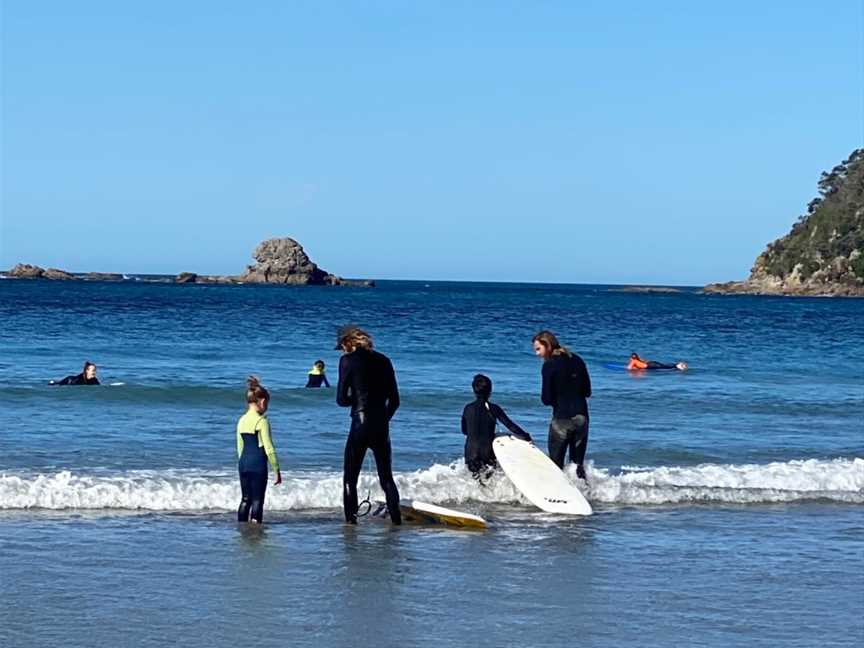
(479, 419)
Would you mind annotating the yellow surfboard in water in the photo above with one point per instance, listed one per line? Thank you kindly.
(424, 513)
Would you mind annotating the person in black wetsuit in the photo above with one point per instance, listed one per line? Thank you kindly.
(317, 377)
(566, 388)
(86, 377)
(479, 421)
(367, 384)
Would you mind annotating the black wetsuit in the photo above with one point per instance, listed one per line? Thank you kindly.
(316, 380)
(566, 387)
(367, 384)
(653, 364)
(479, 420)
(76, 380)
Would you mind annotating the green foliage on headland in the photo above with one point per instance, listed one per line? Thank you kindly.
(830, 236)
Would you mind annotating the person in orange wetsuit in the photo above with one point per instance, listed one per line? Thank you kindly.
(638, 364)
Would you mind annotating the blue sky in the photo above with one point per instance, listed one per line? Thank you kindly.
(628, 142)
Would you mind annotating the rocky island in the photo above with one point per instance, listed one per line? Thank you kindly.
(823, 255)
(277, 261)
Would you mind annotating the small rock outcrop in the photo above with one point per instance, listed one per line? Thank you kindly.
(27, 271)
(102, 276)
(648, 290)
(55, 274)
(278, 261)
(823, 255)
(284, 261)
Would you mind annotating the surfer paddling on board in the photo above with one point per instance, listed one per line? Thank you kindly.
(566, 388)
(86, 377)
(367, 384)
(479, 420)
(638, 364)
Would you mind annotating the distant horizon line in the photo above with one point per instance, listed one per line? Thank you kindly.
(168, 275)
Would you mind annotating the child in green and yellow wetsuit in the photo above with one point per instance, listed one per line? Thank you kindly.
(255, 450)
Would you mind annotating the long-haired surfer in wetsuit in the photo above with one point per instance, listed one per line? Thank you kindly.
(566, 388)
(86, 377)
(255, 450)
(367, 384)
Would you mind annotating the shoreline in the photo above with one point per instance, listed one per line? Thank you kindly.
(748, 287)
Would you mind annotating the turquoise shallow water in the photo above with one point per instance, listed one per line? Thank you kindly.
(728, 498)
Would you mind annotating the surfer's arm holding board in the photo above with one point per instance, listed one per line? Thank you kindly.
(502, 418)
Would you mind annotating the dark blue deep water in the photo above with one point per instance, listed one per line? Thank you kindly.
(728, 499)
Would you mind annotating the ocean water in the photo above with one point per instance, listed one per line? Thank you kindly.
(728, 499)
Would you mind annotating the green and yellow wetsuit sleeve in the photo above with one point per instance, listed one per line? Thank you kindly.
(266, 442)
(239, 439)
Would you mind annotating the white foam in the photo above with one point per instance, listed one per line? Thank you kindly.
(839, 480)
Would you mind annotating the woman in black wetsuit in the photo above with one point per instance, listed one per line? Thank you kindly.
(479, 420)
(566, 388)
(367, 384)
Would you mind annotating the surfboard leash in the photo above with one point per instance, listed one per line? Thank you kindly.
(368, 501)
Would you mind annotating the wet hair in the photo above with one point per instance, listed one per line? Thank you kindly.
(548, 340)
(353, 337)
(255, 391)
(634, 356)
(482, 386)
(318, 363)
(87, 364)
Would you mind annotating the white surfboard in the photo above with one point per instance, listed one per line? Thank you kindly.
(538, 478)
(414, 511)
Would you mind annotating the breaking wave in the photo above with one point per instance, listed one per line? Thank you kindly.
(837, 480)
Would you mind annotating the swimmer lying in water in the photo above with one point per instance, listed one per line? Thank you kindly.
(638, 364)
(86, 377)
